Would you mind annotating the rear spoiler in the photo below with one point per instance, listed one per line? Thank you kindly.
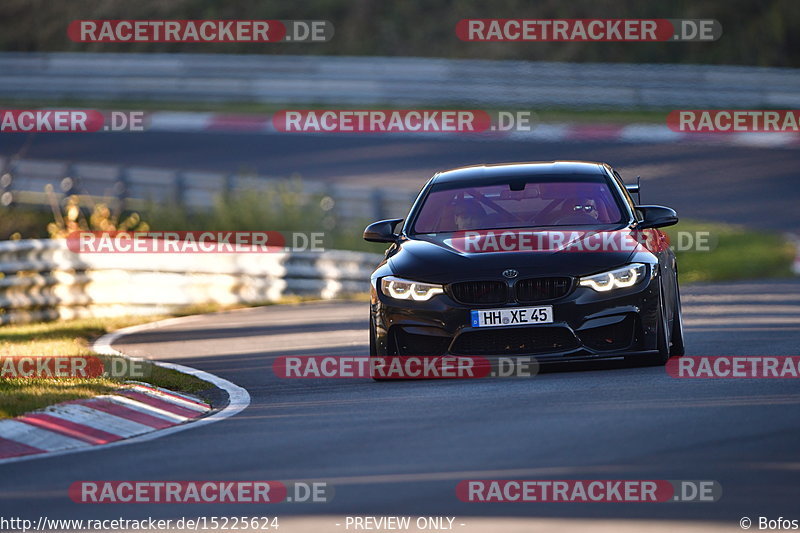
(634, 189)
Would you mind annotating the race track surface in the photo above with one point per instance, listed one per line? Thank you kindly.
(401, 447)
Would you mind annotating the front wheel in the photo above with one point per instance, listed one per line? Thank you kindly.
(373, 352)
(373, 349)
(676, 339)
(662, 344)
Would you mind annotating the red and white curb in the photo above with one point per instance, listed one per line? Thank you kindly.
(186, 121)
(135, 414)
(98, 420)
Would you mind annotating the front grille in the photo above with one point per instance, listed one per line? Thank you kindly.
(612, 337)
(480, 292)
(514, 341)
(539, 289)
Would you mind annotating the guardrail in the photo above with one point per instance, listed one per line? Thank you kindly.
(24, 181)
(44, 280)
(394, 80)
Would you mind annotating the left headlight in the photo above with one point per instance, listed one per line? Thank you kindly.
(403, 289)
(626, 276)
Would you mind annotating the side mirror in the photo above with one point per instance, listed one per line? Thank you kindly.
(382, 231)
(656, 216)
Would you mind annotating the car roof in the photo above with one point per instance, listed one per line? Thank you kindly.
(529, 169)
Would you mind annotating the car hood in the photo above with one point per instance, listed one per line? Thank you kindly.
(441, 259)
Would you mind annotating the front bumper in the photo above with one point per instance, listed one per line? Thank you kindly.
(586, 325)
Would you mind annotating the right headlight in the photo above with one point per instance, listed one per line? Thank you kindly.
(626, 276)
(403, 289)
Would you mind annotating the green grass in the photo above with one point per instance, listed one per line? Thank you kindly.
(260, 108)
(72, 338)
(20, 396)
(735, 253)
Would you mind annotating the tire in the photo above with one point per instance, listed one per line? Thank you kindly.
(677, 348)
(660, 358)
(373, 349)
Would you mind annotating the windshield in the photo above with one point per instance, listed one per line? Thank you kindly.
(563, 202)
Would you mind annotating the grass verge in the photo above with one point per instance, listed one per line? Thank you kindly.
(733, 252)
(72, 338)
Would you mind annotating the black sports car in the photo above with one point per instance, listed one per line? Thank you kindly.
(553, 260)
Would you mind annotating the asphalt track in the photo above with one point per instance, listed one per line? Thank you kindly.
(755, 186)
(400, 448)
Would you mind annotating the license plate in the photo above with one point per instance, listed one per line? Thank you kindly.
(490, 318)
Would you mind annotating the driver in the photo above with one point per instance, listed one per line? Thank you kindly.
(468, 215)
(585, 205)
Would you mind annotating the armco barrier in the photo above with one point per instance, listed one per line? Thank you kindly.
(24, 181)
(44, 280)
(394, 80)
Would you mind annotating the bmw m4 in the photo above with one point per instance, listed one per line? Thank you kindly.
(553, 260)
